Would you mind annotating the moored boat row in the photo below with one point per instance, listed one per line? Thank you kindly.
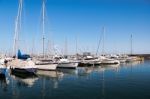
(31, 65)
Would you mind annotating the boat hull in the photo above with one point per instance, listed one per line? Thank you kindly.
(70, 65)
(47, 67)
(109, 62)
(90, 63)
(24, 70)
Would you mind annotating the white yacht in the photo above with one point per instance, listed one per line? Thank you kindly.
(65, 63)
(89, 60)
(108, 61)
(120, 58)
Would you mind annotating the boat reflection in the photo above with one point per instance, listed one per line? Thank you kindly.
(134, 63)
(52, 77)
(49, 74)
(24, 80)
(85, 71)
(110, 67)
(69, 71)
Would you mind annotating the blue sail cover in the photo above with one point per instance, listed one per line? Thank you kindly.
(22, 56)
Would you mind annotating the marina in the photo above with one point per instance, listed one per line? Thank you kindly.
(74, 49)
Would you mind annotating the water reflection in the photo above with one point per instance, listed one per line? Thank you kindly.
(53, 76)
(69, 71)
(24, 80)
(3, 82)
(49, 74)
(102, 81)
(134, 63)
(56, 76)
(85, 71)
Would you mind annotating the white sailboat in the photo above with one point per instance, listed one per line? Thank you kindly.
(43, 64)
(104, 60)
(63, 60)
(20, 63)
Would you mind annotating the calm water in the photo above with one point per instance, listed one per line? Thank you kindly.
(128, 81)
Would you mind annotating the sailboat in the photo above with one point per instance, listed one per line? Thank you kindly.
(104, 60)
(63, 61)
(43, 64)
(21, 63)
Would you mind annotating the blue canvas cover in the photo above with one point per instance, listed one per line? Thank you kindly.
(22, 56)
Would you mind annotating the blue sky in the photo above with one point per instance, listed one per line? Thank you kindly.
(81, 19)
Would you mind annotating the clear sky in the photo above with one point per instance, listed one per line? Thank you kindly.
(81, 19)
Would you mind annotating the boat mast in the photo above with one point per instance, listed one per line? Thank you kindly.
(66, 47)
(103, 48)
(43, 26)
(17, 28)
(76, 45)
(100, 40)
